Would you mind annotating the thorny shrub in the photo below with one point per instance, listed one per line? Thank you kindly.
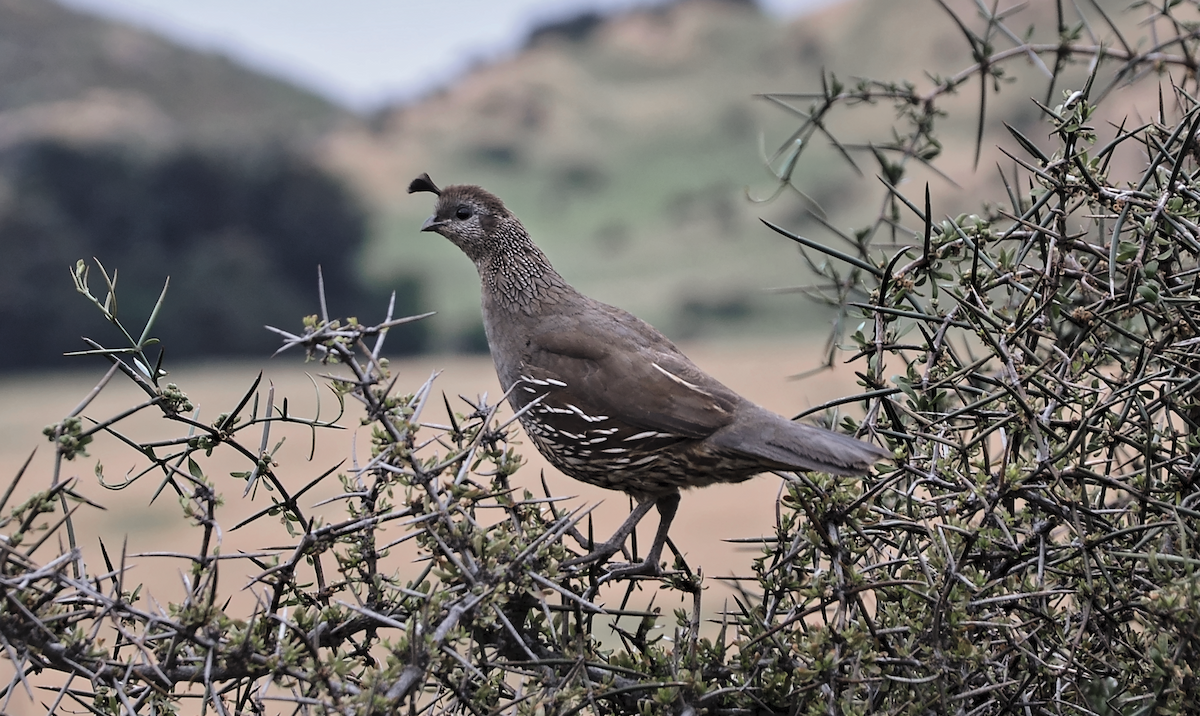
(1031, 550)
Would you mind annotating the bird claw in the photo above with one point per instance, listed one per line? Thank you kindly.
(625, 571)
(636, 569)
(599, 554)
(620, 571)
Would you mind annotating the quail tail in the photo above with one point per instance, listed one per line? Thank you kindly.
(794, 446)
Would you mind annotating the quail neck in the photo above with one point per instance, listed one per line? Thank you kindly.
(521, 292)
(516, 276)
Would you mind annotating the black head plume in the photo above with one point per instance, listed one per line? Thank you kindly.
(423, 183)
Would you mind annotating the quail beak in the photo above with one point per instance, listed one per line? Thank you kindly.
(432, 224)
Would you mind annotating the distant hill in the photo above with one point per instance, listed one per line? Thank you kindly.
(161, 161)
(69, 74)
(624, 143)
(627, 144)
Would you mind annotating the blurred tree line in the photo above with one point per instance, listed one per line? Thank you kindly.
(240, 234)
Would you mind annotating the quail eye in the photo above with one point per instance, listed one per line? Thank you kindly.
(463, 213)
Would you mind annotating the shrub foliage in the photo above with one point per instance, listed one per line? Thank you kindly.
(1031, 549)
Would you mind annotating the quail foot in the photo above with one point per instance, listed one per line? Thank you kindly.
(618, 405)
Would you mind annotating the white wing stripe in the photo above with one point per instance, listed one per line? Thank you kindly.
(681, 381)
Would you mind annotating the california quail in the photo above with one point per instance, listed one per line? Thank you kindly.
(619, 405)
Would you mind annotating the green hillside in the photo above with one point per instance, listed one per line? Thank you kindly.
(628, 146)
(626, 151)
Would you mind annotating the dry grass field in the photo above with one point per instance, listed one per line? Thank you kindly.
(29, 402)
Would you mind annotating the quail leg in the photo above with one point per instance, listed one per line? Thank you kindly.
(614, 544)
(667, 505)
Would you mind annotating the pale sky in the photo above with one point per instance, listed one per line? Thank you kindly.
(363, 53)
